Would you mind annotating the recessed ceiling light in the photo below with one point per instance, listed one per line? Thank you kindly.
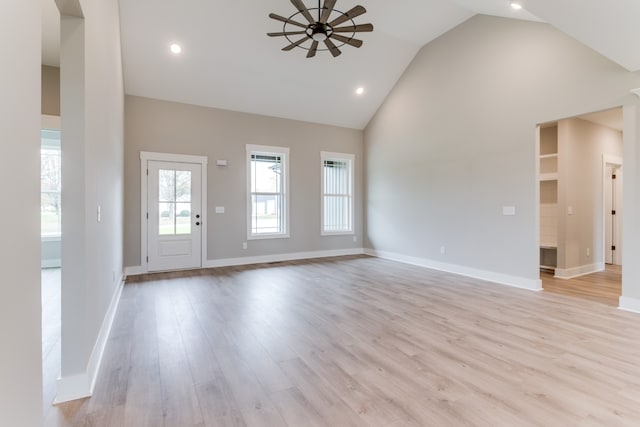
(360, 91)
(516, 5)
(175, 48)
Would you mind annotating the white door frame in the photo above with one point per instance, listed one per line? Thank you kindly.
(145, 157)
(616, 161)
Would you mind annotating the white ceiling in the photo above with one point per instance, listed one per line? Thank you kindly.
(229, 62)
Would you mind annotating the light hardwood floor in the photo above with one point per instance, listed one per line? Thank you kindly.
(604, 286)
(50, 279)
(359, 341)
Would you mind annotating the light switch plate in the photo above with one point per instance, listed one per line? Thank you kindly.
(219, 209)
(508, 210)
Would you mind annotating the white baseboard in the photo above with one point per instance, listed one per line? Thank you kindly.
(50, 263)
(490, 276)
(228, 262)
(570, 273)
(73, 387)
(629, 304)
(135, 270)
(81, 385)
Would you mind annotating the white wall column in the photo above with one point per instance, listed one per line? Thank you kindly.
(74, 354)
(630, 299)
(20, 309)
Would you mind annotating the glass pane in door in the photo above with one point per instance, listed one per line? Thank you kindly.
(174, 202)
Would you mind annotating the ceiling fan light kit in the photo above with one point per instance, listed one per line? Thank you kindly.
(319, 29)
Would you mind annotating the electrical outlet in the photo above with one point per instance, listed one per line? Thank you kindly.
(355, 239)
(588, 252)
(443, 250)
(244, 245)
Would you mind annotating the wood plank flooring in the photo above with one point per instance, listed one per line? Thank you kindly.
(604, 286)
(51, 301)
(359, 341)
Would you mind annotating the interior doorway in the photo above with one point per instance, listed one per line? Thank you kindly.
(51, 255)
(580, 196)
(51, 205)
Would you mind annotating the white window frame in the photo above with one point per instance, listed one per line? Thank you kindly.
(351, 159)
(269, 150)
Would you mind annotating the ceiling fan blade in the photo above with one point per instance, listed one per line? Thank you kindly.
(312, 51)
(356, 11)
(346, 40)
(294, 44)
(354, 28)
(303, 10)
(326, 10)
(332, 48)
(289, 33)
(286, 20)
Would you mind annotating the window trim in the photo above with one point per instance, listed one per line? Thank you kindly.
(268, 150)
(351, 158)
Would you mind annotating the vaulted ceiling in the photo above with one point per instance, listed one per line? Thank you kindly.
(227, 61)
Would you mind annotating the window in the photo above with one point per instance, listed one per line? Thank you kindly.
(268, 200)
(50, 183)
(174, 200)
(337, 193)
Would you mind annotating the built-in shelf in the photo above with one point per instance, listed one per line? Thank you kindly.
(552, 176)
(549, 156)
(548, 257)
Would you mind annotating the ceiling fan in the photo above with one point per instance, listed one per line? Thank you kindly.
(320, 29)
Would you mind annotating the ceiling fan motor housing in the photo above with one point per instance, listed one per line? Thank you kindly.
(319, 31)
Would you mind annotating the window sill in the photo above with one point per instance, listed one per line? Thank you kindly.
(268, 236)
(51, 238)
(337, 233)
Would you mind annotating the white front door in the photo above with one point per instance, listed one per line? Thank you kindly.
(174, 203)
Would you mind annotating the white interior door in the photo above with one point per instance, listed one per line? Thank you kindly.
(174, 201)
(613, 215)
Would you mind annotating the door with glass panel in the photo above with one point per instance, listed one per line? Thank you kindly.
(174, 218)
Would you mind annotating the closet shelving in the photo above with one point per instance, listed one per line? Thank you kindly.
(548, 198)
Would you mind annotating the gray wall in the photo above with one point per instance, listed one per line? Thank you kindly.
(51, 253)
(21, 354)
(581, 145)
(455, 141)
(50, 90)
(159, 126)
